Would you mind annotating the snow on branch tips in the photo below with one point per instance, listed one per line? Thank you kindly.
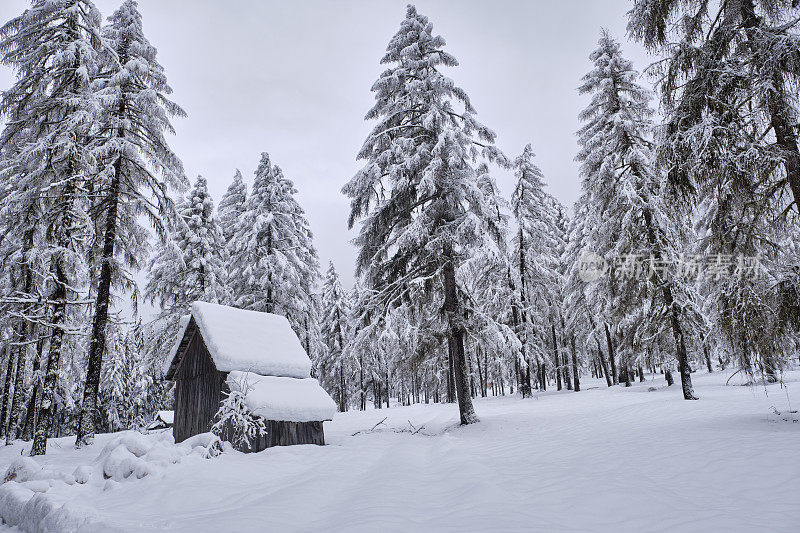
(235, 422)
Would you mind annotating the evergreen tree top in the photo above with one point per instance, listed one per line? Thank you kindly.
(234, 198)
(530, 182)
(613, 86)
(232, 204)
(420, 159)
(415, 46)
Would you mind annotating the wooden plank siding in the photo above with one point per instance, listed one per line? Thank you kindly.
(198, 390)
(280, 433)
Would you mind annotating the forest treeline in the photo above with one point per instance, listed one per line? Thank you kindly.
(680, 254)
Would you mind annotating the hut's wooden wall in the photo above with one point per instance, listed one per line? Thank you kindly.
(288, 433)
(198, 390)
(281, 433)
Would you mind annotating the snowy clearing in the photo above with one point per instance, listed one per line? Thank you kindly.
(601, 460)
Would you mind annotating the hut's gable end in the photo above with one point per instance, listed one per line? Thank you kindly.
(198, 389)
(196, 359)
(186, 331)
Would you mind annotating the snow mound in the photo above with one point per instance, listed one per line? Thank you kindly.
(22, 469)
(282, 398)
(134, 456)
(25, 499)
(238, 339)
(27, 471)
(39, 513)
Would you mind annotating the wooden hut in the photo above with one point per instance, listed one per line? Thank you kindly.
(220, 348)
(162, 420)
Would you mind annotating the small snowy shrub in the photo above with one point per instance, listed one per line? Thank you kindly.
(22, 469)
(235, 418)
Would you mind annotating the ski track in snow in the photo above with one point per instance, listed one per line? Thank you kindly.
(599, 460)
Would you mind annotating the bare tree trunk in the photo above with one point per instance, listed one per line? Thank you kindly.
(575, 373)
(481, 381)
(7, 392)
(708, 358)
(603, 363)
(362, 391)
(387, 389)
(614, 375)
(14, 425)
(451, 388)
(565, 363)
(542, 376)
(556, 355)
(342, 390)
(485, 375)
(456, 340)
(641, 374)
(683, 358)
(97, 344)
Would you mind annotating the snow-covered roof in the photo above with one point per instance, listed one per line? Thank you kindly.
(243, 340)
(168, 417)
(182, 324)
(283, 398)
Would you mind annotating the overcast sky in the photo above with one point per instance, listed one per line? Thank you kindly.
(294, 78)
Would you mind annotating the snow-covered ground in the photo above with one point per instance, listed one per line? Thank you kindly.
(600, 460)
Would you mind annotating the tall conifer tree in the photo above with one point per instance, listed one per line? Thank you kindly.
(418, 193)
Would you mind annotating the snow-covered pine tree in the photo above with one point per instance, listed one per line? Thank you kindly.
(418, 190)
(309, 273)
(355, 322)
(741, 56)
(627, 219)
(23, 308)
(274, 261)
(492, 302)
(495, 347)
(232, 205)
(729, 143)
(532, 264)
(368, 345)
(140, 169)
(116, 380)
(576, 319)
(152, 390)
(336, 368)
(50, 111)
(740, 306)
(558, 272)
(189, 267)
